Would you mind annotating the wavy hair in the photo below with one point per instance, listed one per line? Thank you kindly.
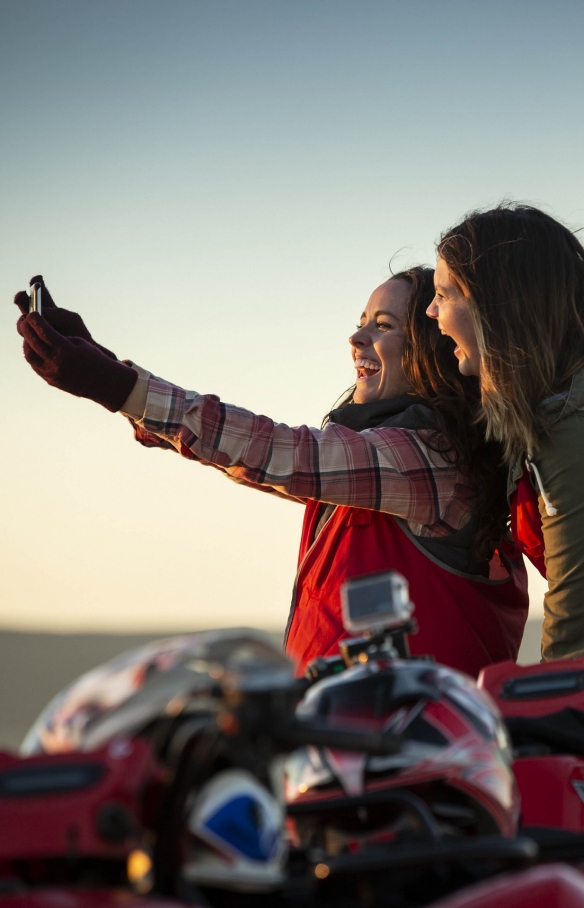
(431, 368)
(523, 275)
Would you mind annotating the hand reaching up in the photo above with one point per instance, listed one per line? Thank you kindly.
(68, 324)
(75, 364)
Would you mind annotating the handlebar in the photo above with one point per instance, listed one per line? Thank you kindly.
(298, 734)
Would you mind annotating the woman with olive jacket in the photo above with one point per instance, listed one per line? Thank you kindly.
(510, 292)
(398, 478)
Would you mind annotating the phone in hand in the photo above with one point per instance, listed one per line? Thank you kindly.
(35, 298)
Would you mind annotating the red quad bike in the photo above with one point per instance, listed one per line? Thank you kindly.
(115, 798)
(157, 780)
(436, 816)
(443, 812)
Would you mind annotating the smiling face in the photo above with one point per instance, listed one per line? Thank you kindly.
(452, 310)
(378, 344)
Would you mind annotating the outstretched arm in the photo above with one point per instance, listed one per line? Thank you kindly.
(62, 351)
(385, 469)
(152, 440)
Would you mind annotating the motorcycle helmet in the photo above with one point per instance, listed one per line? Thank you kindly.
(451, 776)
(135, 688)
(234, 835)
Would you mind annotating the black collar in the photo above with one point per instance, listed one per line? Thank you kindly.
(405, 411)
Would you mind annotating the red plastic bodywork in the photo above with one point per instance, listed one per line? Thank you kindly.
(493, 677)
(35, 827)
(551, 886)
(549, 796)
(551, 787)
(65, 823)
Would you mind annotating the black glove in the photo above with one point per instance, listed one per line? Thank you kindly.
(74, 364)
(67, 323)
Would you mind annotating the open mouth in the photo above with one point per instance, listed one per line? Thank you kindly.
(366, 368)
(456, 350)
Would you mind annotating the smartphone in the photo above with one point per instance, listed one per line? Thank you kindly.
(35, 299)
(375, 602)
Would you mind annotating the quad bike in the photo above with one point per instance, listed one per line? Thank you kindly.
(436, 816)
(464, 789)
(198, 771)
(159, 776)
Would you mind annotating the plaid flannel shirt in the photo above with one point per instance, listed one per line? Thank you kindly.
(384, 469)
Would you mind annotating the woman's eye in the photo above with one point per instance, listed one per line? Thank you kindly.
(384, 326)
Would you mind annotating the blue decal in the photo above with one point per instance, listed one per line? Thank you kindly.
(239, 824)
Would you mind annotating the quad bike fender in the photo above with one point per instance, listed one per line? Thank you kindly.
(550, 886)
(552, 791)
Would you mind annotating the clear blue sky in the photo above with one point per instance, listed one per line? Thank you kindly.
(217, 186)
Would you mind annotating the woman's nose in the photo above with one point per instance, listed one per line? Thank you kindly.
(358, 339)
(432, 309)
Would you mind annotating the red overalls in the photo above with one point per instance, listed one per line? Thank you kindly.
(466, 622)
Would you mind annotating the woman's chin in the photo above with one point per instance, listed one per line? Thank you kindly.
(467, 368)
(365, 397)
(367, 389)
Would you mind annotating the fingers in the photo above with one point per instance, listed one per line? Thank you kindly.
(40, 335)
(20, 325)
(32, 358)
(22, 300)
(31, 338)
(48, 302)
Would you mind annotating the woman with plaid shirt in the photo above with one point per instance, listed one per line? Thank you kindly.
(397, 478)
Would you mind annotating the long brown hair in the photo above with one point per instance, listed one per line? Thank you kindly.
(523, 275)
(431, 368)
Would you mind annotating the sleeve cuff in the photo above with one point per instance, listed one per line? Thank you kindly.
(135, 403)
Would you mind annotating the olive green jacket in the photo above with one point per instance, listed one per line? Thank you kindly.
(560, 461)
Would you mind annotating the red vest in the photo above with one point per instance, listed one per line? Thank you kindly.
(526, 523)
(465, 622)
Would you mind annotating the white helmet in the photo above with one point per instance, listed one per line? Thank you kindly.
(237, 839)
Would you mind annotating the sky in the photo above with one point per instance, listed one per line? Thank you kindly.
(217, 186)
